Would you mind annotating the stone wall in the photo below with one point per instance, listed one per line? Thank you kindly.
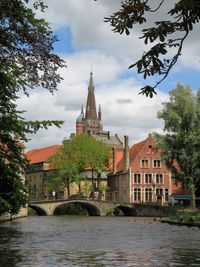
(7, 217)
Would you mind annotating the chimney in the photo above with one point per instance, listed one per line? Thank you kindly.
(126, 163)
(114, 167)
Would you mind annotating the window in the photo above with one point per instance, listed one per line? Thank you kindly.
(156, 163)
(144, 163)
(137, 179)
(159, 192)
(148, 178)
(137, 194)
(159, 178)
(166, 195)
(148, 194)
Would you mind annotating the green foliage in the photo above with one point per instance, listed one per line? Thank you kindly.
(181, 141)
(186, 216)
(167, 35)
(77, 155)
(26, 61)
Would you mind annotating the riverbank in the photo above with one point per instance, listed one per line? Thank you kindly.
(189, 224)
(185, 217)
(8, 217)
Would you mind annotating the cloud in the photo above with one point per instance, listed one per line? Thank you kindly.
(123, 100)
(108, 54)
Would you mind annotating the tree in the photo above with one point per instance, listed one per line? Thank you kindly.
(26, 61)
(81, 153)
(181, 141)
(165, 35)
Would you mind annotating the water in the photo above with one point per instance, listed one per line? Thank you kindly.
(97, 241)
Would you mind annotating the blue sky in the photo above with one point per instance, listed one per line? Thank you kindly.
(85, 41)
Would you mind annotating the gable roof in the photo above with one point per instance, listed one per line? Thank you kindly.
(41, 154)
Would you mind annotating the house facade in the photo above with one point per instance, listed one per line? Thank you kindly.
(140, 176)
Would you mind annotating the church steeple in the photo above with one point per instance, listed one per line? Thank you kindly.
(82, 112)
(91, 113)
(91, 122)
(99, 113)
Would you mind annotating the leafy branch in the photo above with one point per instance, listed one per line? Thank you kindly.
(163, 35)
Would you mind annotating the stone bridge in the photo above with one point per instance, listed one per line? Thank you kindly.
(94, 207)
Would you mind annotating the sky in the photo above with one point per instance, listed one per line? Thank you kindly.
(87, 43)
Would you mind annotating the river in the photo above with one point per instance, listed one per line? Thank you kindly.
(97, 241)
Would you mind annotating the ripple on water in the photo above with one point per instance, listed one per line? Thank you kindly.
(97, 241)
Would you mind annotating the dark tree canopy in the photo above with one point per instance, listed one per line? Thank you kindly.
(166, 36)
(26, 46)
(26, 61)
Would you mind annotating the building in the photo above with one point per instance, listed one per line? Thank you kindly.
(90, 123)
(140, 176)
(39, 169)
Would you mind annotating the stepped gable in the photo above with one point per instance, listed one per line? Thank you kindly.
(42, 154)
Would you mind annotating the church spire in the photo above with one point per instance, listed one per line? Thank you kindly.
(99, 113)
(91, 113)
(82, 112)
(91, 84)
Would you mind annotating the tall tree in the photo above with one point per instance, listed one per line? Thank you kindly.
(181, 141)
(167, 35)
(26, 61)
(76, 156)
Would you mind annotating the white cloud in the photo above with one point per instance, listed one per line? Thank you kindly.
(123, 110)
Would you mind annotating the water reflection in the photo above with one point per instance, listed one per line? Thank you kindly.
(9, 254)
(97, 241)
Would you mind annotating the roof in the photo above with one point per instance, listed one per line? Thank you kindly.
(42, 154)
(80, 118)
(135, 149)
(110, 140)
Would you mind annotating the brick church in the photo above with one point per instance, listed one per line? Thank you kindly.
(91, 122)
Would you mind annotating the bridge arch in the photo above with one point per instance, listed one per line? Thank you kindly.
(91, 209)
(40, 211)
(127, 211)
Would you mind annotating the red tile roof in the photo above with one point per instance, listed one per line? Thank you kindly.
(135, 149)
(42, 154)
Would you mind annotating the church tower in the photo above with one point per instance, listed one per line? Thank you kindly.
(79, 122)
(90, 123)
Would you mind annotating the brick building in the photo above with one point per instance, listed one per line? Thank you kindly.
(91, 122)
(140, 176)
